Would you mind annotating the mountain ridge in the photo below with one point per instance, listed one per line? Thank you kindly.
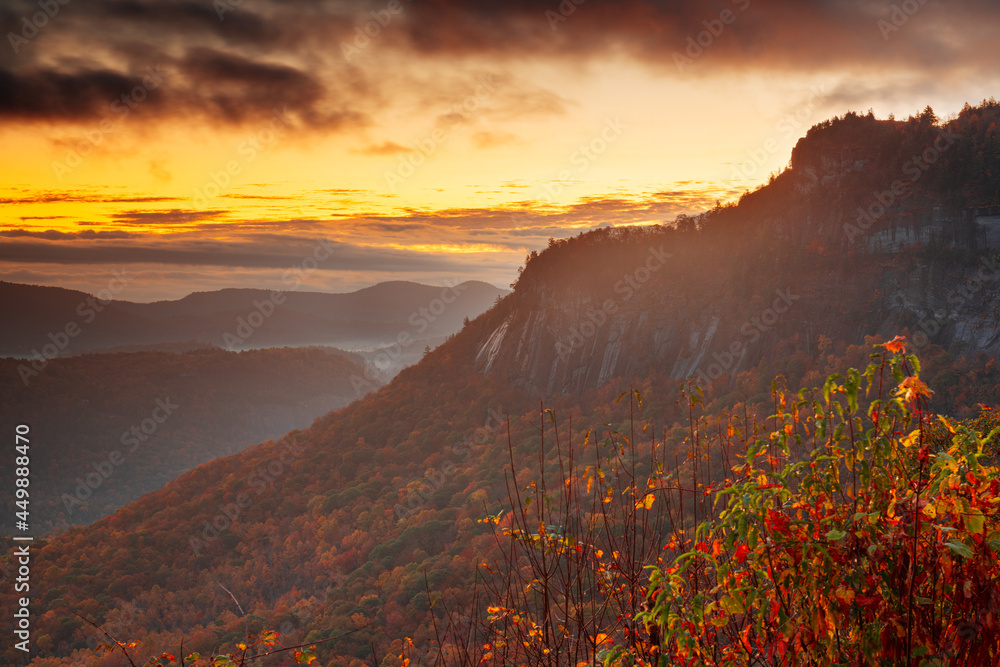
(359, 522)
(55, 320)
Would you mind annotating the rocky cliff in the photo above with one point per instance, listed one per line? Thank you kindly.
(822, 250)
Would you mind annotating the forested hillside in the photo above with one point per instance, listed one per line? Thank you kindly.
(370, 526)
(112, 427)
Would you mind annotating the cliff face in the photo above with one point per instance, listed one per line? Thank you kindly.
(571, 342)
(822, 250)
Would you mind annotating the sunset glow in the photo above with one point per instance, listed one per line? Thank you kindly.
(198, 143)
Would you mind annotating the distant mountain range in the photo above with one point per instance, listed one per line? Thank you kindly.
(381, 514)
(55, 321)
(111, 427)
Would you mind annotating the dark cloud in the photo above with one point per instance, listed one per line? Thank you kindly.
(240, 26)
(237, 89)
(41, 94)
(55, 235)
(264, 197)
(167, 217)
(235, 66)
(783, 34)
(63, 197)
(343, 256)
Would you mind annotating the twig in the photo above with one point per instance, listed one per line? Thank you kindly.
(322, 641)
(246, 625)
(108, 635)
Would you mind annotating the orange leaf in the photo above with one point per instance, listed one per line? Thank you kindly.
(897, 344)
(912, 387)
(646, 502)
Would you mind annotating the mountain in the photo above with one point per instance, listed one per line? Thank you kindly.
(366, 527)
(58, 321)
(113, 427)
(876, 226)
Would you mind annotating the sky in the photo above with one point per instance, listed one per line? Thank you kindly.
(202, 144)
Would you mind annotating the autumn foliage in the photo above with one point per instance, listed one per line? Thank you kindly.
(861, 530)
(853, 526)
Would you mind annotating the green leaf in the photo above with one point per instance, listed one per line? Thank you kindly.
(974, 522)
(835, 535)
(732, 604)
(610, 655)
(959, 548)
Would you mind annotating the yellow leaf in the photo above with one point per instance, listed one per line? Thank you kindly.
(929, 511)
(947, 424)
(845, 594)
(646, 502)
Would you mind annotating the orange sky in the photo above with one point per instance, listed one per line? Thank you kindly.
(209, 145)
